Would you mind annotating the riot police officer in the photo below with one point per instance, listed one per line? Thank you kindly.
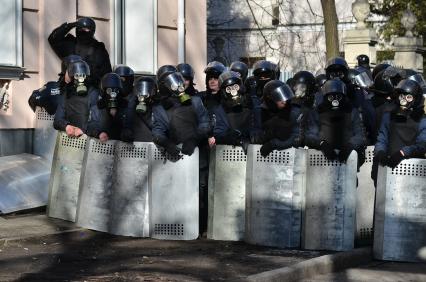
(77, 112)
(144, 89)
(364, 65)
(233, 119)
(402, 133)
(188, 74)
(279, 117)
(83, 44)
(118, 109)
(339, 124)
(178, 118)
(304, 89)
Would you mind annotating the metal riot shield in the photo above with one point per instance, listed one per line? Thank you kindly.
(173, 187)
(227, 193)
(400, 219)
(44, 135)
(275, 197)
(365, 201)
(65, 176)
(24, 182)
(130, 182)
(93, 209)
(329, 219)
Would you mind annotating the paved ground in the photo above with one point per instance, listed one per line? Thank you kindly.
(377, 271)
(93, 256)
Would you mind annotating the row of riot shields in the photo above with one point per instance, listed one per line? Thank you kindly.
(297, 198)
(292, 198)
(124, 189)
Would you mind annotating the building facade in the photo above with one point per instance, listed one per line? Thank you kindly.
(140, 34)
(290, 33)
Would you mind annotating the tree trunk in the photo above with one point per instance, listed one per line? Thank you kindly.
(330, 24)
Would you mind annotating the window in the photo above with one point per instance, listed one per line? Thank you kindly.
(11, 42)
(136, 35)
(275, 15)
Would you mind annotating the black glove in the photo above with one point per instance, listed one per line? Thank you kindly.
(172, 150)
(251, 83)
(188, 147)
(232, 137)
(266, 149)
(381, 157)
(328, 151)
(395, 159)
(344, 153)
(72, 25)
(127, 135)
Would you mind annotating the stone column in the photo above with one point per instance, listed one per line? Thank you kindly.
(362, 39)
(409, 49)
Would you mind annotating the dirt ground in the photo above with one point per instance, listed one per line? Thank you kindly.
(95, 256)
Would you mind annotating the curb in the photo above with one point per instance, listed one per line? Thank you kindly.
(34, 236)
(320, 265)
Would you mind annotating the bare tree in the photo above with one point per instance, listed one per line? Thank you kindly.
(330, 26)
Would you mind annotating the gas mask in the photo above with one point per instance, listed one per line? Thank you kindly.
(335, 100)
(112, 100)
(300, 90)
(141, 106)
(232, 95)
(79, 79)
(83, 35)
(339, 74)
(406, 101)
(176, 84)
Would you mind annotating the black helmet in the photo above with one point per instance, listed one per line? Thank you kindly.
(305, 78)
(144, 89)
(240, 68)
(334, 91)
(320, 80)
(163, 71)
(214, 68)
(68, 60)
(264, 68)
(123, 70)
(228, 78)
(86, 23)
(363, 61)
(79, 68)
(408, 72)
(419, 79)
(337, 68)
(381, 85)
(407, 88)
(334, 86)
(276, 91)
(186, 70)
(378, 69)
(46, 97)
(175, 83)
(111, 80)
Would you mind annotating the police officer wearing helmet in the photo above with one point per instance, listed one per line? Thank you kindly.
(188, 74)
(178, 118)
(402, 133)
(279, 117)
(304, 89)
(339, 124)
(241, 68)
(77, 112)
(364, 64)
(118, 108)
(144, 89)
(83, 44)
(48, 96)
(233, 119)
